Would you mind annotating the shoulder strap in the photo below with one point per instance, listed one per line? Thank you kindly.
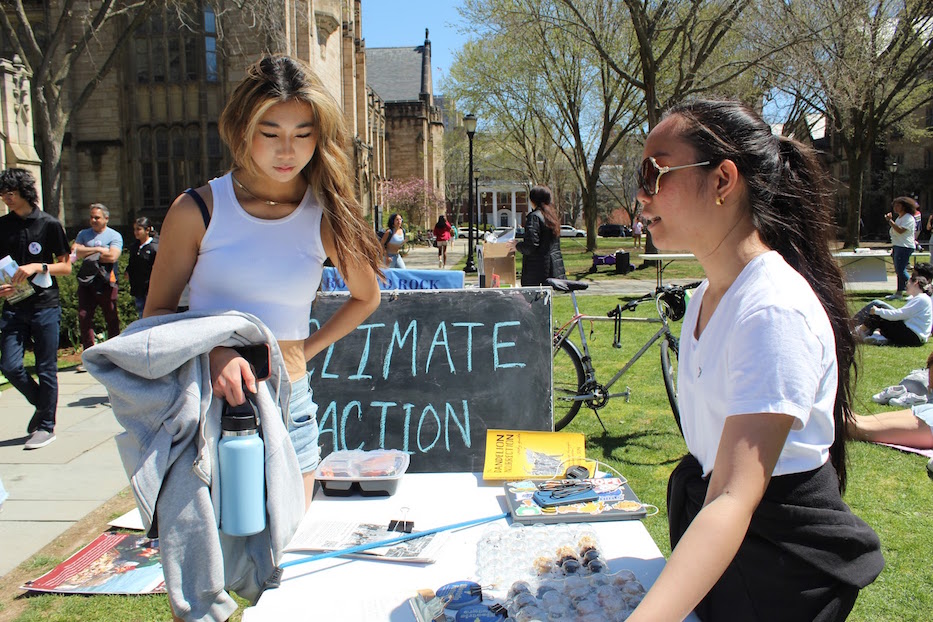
(203, 207)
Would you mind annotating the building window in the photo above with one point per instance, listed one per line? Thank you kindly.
(210, 45)
(169, 160)
(168, 51)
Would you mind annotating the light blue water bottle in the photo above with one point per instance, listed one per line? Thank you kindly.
(242, 472)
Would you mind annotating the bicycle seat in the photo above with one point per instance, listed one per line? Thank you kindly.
(567, 286)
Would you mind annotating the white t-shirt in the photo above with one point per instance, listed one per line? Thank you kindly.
(905, 239)
(768, 348)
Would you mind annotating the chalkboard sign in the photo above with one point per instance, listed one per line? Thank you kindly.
(430, 371)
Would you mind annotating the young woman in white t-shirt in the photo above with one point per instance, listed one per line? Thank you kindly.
(287, 204)
(758, 527)
(902, 223)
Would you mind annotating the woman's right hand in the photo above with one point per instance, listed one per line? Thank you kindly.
(229, 372)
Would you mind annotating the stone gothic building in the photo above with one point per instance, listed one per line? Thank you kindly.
(414, 124)
(149, 129)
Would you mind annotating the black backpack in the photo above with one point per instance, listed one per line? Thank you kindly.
(93, 274)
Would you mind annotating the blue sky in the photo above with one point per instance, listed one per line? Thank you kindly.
(394, 23)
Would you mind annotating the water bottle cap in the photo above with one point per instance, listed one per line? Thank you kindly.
(240, 418)
(238, 422)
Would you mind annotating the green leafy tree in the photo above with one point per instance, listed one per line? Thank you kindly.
(548, 85)
(864, 66)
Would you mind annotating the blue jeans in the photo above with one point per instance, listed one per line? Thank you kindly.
(901, 256)
(302, 424)
(17, 326)
(140, 302)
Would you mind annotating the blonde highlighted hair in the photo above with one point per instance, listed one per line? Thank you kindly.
(278, 79)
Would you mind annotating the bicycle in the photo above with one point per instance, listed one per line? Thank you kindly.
(574, 380)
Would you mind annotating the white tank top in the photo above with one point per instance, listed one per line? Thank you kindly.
(270, 268)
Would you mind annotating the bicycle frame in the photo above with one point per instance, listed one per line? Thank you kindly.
(564, 332)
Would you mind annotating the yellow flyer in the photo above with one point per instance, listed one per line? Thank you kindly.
(526, 454)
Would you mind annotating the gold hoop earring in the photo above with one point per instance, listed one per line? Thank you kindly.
(719, 201)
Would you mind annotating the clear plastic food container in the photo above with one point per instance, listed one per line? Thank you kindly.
(371, 473)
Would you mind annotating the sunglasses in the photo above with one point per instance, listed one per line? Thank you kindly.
(649, 175)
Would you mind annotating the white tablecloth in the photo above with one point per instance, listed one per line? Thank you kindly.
(360, 590)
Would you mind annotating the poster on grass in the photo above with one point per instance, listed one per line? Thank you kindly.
(114, 563)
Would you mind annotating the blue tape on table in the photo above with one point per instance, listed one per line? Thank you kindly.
(460, 594)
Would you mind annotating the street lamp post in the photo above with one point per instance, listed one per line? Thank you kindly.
(892, 168)
(479, 199)
(469, 123)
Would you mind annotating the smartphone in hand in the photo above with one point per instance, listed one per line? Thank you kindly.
(259, 357)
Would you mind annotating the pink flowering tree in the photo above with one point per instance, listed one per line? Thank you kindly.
(414, 199)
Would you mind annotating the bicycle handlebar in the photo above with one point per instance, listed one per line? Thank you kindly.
(664, 289)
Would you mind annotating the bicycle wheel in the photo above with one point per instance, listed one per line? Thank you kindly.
(568, 380)
(406, 248)
(669, 352)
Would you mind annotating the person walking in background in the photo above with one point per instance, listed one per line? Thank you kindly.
(902, 223)
(98, 247)
(392, 241)
(36, 241)
(139, 268)
(758, 527)
(540, 248)
(636, 231)
(442, 234)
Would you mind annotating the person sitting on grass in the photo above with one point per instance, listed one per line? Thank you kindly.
(908, 326)
(911, 427)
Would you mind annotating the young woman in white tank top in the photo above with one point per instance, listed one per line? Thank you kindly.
(286, 206)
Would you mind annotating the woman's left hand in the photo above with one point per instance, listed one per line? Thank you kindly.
(229, 373)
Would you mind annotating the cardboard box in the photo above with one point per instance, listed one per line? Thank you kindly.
(496, 260)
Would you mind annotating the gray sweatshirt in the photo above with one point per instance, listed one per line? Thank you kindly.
(157, 374)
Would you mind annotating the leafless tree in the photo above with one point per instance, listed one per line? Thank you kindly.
(92, 32)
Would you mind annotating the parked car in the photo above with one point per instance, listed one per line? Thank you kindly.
(500, 234)
(462, 233)
(567, 231)
(610, 230)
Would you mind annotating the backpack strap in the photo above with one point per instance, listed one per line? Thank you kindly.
(201, 205)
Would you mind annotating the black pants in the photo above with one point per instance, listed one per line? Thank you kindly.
(895, 331)
(805, 555)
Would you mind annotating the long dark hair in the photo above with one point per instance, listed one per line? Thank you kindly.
(789, 203)
(146, 224)
(540, 197)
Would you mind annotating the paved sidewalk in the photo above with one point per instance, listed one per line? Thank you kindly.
(54, 487)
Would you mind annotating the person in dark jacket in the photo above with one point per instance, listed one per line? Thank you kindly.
(142, 256)
(540, 248)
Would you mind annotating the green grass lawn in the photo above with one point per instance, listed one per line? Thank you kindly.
(578, 262)
(888, 489)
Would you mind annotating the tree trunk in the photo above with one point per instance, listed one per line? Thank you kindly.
(854, 212)
(589, 211)
(51, 132)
